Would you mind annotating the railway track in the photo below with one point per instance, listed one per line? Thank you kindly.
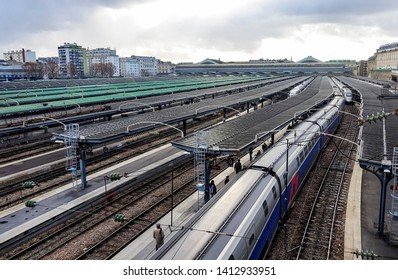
(21, 152)
(48, 182)
(11, 194)
(38, 248)
(314, 228)
(93, 234)
(87, 221)
(324, 222)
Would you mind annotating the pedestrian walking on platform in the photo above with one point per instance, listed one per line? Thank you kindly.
(238, 166)
(226, 180)
(213, 189)
(264, 146)
(251, 153)
(158, 235)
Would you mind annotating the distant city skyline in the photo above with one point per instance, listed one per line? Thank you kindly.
(190, 31)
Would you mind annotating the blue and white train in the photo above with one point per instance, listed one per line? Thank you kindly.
(345, 91)
(301, 87)
(241, 220)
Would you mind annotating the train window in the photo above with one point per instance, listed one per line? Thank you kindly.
(274, 192)
(265, 207)
(251, 239)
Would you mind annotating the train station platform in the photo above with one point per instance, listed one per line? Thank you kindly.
(19, 219)
(362, 216)
(360, 229)
(144, 246)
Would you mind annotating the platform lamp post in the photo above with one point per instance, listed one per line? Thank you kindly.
(157, 123)
(47, 118)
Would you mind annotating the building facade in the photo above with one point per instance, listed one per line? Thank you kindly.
(72, 60)
(139, 66)
(10, 70)
(383, 62)
(165, 68)
(129, 67)
(21, 56)
(362, 68)
(101, 58)
(387, 56)
(348, 63)
(148, 65)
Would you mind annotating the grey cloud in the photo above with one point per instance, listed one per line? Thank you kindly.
(239, 32)
(27, 17)
(341, 7)
(243, 31)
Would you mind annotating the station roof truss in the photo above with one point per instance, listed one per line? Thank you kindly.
(372, 138)
(237, 135)
(117, 128)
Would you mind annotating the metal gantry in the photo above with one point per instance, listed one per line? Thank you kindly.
(71, 152)
(201, 145)
(394, 196)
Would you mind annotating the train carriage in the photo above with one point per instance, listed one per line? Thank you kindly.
(241, 220)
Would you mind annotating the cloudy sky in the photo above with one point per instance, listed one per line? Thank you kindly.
(192, 30)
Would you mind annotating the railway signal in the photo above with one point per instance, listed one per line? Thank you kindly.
(115, 176)
(28, 185)
(366, 254)
(120, 218)
(30, 203)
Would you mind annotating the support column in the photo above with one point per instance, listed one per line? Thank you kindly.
(207, 180)
(83, 166)
(383, 180)
(184, 127)
(384, 175)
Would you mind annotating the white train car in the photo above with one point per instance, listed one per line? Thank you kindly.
(241, 220)
(302, 86)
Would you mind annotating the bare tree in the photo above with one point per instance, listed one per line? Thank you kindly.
(52, 69)
(109, 69)
(102, 69)
(72, 69)
(34, 70)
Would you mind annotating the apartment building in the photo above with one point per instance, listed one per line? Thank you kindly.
(99, 59)
(165, 68)
(72, 60)
(21, 56)
(383, 62)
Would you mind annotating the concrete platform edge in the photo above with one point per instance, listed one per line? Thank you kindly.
(353, 236)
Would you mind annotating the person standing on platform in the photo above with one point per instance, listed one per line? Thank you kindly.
(212, 188)
(226, 180)
(238, 166)
(158, 235)
(264, 146)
